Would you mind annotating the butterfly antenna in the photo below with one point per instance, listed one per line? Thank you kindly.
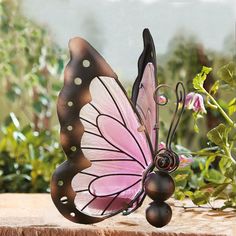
(166, 159)
(179, 109)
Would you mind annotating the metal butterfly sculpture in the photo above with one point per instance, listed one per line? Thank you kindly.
(111, 142)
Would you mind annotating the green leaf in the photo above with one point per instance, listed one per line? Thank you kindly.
(224, 164)
(199, 79)
(200, 197)
(60, 66)
(38, 106)
(215, 87)
(13, 92)
(181, 177)
(56, 87)
(219, 189)
(188, 194)
(209, 161)
(215, 176)
(195, 127)
(227, 73)
(230, 172)
(218, 134)
(179, 195)
(196, 116)
(232, 106)
(41, 80)
(196, 182)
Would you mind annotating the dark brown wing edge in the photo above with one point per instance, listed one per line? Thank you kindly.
(61, 191)
(148, 55)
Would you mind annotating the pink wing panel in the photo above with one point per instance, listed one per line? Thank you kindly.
(117, 106)
(117, 150)
(145, 103)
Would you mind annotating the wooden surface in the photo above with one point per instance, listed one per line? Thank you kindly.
(35, 214)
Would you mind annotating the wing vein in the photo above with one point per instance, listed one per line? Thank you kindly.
(109, 204)
(113, 99)
(138, 145)
(81, 118)
(88, 203)
(141, 110)
(118, 195)
(79, 191)
(89, 132)
(119, 150)
(94, 107)
(101, 149)
(89, 174)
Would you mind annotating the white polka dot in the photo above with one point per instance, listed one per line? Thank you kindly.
(72, 214)
(64, 200)
(78, 81)
(60, 183)
(86, 63)
(70, 103)
(69, 127)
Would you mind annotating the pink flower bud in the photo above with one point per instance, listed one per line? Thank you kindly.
(194, 101)
(162, 99)
(184, 161)
(161, 145)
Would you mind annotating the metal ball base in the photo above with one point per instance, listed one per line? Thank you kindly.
(159, 186)
(158, 214)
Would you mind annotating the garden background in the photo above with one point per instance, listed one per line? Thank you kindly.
(31, 75)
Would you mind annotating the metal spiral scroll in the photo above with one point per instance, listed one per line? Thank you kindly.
(166, 159)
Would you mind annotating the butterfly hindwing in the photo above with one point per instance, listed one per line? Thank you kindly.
(103, 139)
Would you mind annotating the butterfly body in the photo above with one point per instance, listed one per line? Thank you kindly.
(111, 142)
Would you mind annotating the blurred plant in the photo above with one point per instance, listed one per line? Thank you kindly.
(27, 157)
(184, 59)
(29, 68)
(212, 175)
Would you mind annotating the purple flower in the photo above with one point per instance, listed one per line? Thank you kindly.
(194, 101)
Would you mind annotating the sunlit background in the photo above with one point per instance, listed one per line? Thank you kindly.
(114, 27)
(33, 53)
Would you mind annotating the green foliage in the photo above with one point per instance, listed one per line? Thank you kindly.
(228, 74)
(213, 173)
(232, 107)
(219, 135)
(27, 157)
(30, 68)
(199, 79)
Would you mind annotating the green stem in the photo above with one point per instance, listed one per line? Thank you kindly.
(223, 113)
(227, 118)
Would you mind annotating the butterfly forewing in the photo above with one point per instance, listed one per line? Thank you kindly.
(107, 150)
